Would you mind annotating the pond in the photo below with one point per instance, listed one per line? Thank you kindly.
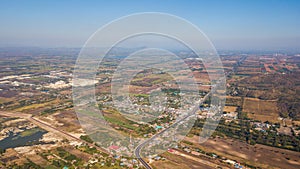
(24, 138)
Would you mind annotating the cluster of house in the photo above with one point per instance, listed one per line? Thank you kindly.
(206, 112)
(259, 126)
(234, 163)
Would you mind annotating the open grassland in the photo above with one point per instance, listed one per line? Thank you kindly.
(30, 132)
(261, 109)
(117, 120)
(36, 106)
(150, 79)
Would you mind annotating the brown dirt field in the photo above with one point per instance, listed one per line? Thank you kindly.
(78, 153)
(261, 110)
(257, 155)
(231, 100)
(11, 156)
(103, 88)
(8, 94)
(201, 77)
(37, 160)
(230, 108)
(4, 99)
(249, 70)
(141, 90)
(204, 88)
(65, 92)
(167, 164)
(69, 120)
(178, 162)
(296, 123)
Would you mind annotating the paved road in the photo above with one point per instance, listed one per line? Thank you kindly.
(137, 150)
(68, 136)
(48, 127)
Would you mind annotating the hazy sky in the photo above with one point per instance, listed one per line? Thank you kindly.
(230, 24)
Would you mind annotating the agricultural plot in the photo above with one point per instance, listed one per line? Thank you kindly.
(261, 110)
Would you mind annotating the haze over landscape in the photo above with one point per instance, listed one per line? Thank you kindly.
(262, 25)
(149, 84)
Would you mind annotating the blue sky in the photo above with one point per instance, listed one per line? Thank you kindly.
(230, 24)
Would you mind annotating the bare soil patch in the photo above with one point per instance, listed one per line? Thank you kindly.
(256, 155)
(261, 110)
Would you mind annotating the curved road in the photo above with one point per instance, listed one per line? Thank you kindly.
(137, 150)
(67, 135)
